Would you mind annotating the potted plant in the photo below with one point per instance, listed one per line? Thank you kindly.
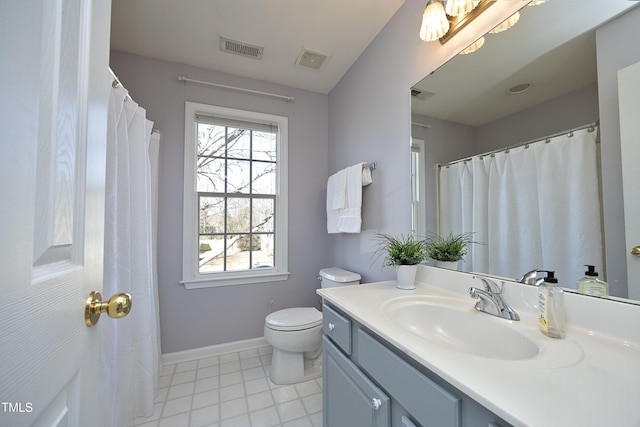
(403, 254)
(447, 251)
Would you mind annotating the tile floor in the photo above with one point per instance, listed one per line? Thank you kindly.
(232, 390)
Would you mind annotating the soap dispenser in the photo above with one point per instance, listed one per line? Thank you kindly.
(591, 285)
(551, 306)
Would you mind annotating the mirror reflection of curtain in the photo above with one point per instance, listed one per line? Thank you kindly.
(535, 207)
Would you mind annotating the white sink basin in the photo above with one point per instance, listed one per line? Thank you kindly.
(460, 328)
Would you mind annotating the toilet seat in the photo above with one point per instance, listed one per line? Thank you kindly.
(294, 319)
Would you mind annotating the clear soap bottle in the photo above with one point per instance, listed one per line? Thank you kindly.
(551, 307)
(591, 285)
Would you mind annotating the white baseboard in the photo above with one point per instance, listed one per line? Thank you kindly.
(213, 350)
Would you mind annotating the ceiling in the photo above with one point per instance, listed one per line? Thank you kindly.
(188, 32)
(553, 46)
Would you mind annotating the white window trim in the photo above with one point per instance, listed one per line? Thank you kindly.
(418, 196)
(191, 277)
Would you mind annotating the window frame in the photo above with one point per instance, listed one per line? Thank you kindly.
(191, 276)
(418, 185)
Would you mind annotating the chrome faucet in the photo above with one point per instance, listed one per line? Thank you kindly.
(531, 277)
(491, 301)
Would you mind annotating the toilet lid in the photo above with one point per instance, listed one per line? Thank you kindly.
(291, 319)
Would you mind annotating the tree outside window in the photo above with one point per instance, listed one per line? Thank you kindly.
(236, 186)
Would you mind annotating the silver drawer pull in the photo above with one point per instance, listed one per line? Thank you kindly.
(377, 403)
(331, 326)
(406, 422)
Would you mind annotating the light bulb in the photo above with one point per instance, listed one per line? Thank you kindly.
(434, 22)
(459, 7)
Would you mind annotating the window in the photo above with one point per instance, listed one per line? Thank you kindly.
(235, 198)
(418, 195)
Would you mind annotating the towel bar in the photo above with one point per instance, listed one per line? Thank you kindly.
(371, 165)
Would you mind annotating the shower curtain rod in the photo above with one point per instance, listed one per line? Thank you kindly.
(116, 82)
(275, 95)
(424, 125)
(568, 132)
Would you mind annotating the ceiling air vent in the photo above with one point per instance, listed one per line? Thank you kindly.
(421, 94)
(240, 48)
(312, 59)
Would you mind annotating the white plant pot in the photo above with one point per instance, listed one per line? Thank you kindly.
(406, 276)
(449, 265)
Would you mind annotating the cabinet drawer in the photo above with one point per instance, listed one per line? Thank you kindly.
(349, 397)
(427, 402)
(337, 327)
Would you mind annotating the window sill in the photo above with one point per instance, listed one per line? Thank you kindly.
(247, 279)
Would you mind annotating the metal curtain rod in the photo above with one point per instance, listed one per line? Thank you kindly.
(275, 95)
(569, 132)
(116, 82)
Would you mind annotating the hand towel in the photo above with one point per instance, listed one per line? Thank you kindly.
(332, 214)
(366, 175)
(350, 219)
(344, 199)
(339, 192)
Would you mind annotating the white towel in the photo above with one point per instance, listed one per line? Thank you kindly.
(339, 191)
(332, 214)
(366, 175)
(344, 199)
(350, 217)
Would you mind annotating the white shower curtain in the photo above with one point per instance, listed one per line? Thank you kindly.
(131, 345)
(536, 207)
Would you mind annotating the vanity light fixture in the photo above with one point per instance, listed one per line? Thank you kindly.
(434, 22)
(442, 19)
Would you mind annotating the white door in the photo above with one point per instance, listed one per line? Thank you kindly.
(53, 112)
(629, 101)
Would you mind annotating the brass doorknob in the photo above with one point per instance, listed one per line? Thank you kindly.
(635, 251)
(118, 306)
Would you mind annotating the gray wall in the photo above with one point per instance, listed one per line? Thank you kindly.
(444, 141)
(203, 317)
(617, 47)
(369, 120)
(574, 109)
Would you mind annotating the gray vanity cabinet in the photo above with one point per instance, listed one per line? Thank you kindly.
(354, 400)
(367, 382)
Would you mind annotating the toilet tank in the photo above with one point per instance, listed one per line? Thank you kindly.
(332, 277)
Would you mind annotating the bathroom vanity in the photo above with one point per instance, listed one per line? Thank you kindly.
(425, 357)
(355, 360)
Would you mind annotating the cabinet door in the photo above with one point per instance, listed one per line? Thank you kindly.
(427, 402)
(350, 398)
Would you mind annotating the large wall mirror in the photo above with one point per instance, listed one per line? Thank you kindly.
(463, 109)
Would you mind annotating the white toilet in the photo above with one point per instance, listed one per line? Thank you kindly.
(296, 334)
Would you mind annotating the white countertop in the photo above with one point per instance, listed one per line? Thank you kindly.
(590, 378)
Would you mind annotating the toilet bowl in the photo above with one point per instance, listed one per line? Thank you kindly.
(296, 334)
